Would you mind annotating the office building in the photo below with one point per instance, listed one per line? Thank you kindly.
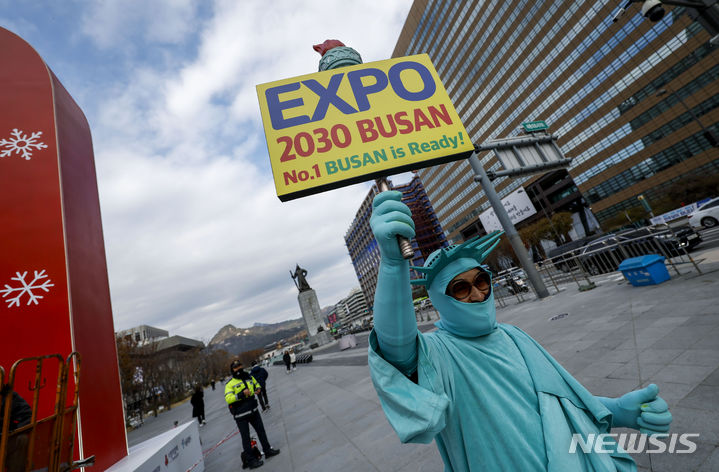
(428, 232)
(143, 334)
(179, 344)
(352, 309)
(634, 103)
(159, 339)
(362, 245)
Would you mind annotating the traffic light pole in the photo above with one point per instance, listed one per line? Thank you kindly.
(521, 252)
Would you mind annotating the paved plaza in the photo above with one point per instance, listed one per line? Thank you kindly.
(614, 338)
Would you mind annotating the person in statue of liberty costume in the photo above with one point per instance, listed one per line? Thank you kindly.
(489, 395)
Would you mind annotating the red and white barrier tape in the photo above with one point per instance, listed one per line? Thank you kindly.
(208, 451)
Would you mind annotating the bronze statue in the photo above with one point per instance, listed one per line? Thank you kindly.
(299, 279)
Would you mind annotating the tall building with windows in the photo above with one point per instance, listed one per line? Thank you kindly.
(363, 248)
(352, 308)
(362, 245)
(428, 232)
(634, 103)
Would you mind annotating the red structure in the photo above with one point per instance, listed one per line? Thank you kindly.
(327, 45)
(54, 293)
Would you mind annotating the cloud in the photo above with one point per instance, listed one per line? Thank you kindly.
(196, 237)
(120, 23)
(209, 244)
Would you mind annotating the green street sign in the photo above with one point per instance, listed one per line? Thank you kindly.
(532, 126)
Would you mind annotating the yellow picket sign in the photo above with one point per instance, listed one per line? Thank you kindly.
(339, 127)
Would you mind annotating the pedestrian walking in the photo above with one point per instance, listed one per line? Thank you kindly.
(198, 405)
(488, 394)
(240, 393)
(260, 374)
(293, 359)
(286, 359)
(212, 384)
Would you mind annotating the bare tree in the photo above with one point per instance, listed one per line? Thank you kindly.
(248, 356)
(562, 223)
(151, 378)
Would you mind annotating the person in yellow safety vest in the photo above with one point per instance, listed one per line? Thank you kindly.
(240, 397)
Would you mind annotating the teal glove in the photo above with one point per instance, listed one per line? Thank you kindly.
(641, 409)
(390, 218)
(394, 320)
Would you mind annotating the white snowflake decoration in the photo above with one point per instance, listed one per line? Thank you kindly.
(21, 144)
(26, 288)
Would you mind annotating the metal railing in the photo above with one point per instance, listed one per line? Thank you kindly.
(425, 313)
(582, 266)
(46, 442)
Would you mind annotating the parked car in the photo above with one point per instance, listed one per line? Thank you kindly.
(514, 271)
(668, 242)
(686, 235)
(563, 256)
(706, 216)
(602, 255)
(606, 253)
(513, 279)
(514, 284)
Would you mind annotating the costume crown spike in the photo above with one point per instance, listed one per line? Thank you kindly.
(476, 248)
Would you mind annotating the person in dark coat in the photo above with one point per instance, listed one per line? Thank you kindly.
(20, 415)
(198, 405)
(260, 374)
(286, 360)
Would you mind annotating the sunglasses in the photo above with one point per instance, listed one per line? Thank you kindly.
(461, 289)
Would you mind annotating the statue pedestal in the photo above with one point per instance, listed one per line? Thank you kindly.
(311, 313)
(321, 338)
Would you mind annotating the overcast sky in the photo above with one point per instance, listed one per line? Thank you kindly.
(195, 235)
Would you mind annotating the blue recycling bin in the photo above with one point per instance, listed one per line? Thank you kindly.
(645, 270)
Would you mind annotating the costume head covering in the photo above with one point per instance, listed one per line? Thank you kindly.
(467, 320)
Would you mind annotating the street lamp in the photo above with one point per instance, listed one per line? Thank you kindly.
(706, 12)
(708, 134)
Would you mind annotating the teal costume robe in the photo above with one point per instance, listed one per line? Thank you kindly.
(492, 403)
(488, 394)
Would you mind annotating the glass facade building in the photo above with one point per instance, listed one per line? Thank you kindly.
(362, 245)
(363, 249)
(428, 232)
(633, 103)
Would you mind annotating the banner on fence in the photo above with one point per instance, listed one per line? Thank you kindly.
(686, 210)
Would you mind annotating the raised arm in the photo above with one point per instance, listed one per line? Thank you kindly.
(394, 320)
